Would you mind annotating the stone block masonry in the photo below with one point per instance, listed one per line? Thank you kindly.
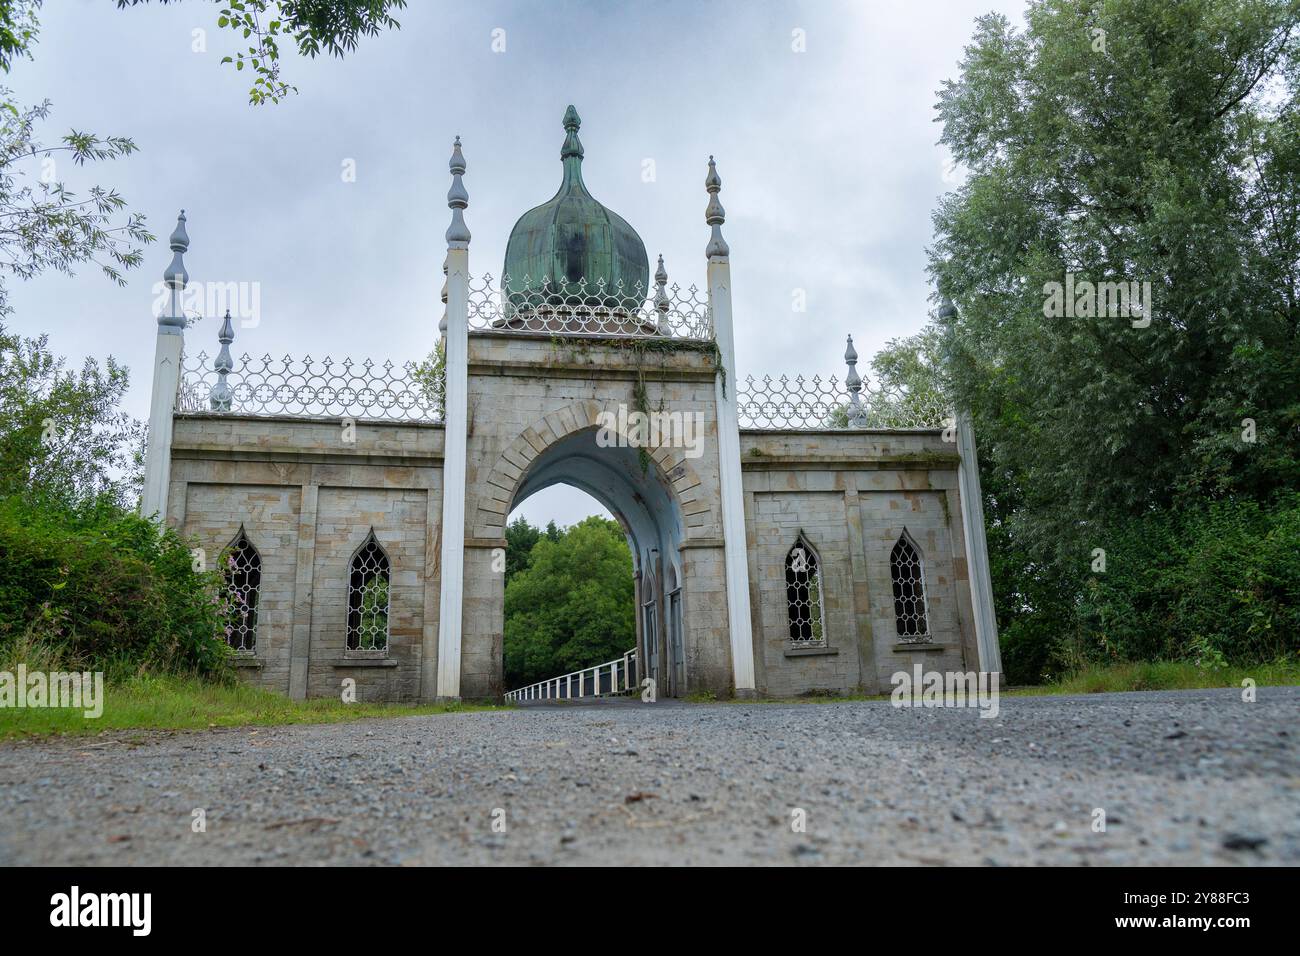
(307, 500)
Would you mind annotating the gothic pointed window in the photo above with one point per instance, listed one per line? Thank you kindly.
(908, 575)
(803, 593)
(368, 580)
(241, 567)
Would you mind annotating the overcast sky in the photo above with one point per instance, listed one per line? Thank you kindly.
(829, 161)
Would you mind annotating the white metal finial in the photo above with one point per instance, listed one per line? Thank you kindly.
(661, 297)
(853, 381)
(219, 398)
(457, 197)
(714, 214)
(175, 277)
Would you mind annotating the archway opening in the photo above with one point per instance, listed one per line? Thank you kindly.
(625, 495)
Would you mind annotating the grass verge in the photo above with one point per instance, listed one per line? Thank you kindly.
(1154, 675)
(1169, 675)
(187, 703)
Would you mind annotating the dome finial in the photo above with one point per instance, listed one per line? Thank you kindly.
(572, 145)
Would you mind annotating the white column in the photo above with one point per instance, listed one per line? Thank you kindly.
(733, 495)
(166, 382)
(977, 549)
(452, 569)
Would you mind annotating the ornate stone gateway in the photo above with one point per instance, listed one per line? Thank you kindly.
(788, 536)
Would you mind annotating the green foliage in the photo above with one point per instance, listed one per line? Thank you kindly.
(1173, 675)
(18, 28)
(43, 224)
(572, 605)
(106, 590)
(373, 629)
(520, 538)
(333, 26)
(1164, 149)
(1218, 584)
(61, 435)
(431, 376)
(80, 574)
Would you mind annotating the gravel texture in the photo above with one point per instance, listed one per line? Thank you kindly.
(1189, 777)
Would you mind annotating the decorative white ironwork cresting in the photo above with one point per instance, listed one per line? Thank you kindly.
(558, 307)
(310, 388)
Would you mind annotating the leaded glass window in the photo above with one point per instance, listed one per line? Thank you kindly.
(241, 566)
(908, 575)
(368, 583)
(803, 592)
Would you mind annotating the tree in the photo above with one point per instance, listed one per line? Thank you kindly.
(1135, 141)
(334, 26)
(47, 226)
(82, 576)
(62, 436)
(520, 539)
(18, 27)
(43, 224)
(572, 607)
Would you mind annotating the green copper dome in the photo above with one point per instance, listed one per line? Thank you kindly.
(572, 237)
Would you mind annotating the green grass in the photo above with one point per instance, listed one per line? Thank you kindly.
(1168, 675)
(1155, 675)
(187, 703)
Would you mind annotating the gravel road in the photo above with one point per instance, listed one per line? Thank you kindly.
(1190, 777)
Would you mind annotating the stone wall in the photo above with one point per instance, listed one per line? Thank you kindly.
(307, 499)
(852, 494)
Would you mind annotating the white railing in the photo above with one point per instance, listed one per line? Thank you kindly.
(603, 680)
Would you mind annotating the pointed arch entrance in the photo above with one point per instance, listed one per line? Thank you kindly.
(635, 489)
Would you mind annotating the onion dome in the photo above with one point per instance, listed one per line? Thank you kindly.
(572, 238)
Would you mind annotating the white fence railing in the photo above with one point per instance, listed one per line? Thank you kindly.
(603, 680)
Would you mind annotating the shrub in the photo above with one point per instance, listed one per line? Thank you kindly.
(106, 589)
(1215, 584)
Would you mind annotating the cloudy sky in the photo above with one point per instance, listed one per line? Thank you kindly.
(820, 114)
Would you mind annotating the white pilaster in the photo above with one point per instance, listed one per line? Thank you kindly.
(733, 496)
(452, 570)
(166, 382)
(977, 549)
